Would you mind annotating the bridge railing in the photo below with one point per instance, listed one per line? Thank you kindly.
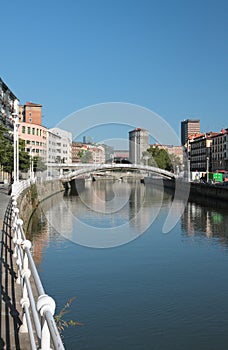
(38, 307)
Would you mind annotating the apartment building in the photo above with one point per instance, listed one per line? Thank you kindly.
(88, 153)
(219, 151)
(31, 129)
(9, 104)
(200, 154)
(59, 146)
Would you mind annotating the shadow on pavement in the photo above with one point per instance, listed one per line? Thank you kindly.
(10, 318)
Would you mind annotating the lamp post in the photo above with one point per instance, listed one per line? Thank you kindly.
(31, 164)
(15, 119)
(207, 170)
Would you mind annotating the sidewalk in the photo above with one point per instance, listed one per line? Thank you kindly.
(4, 200)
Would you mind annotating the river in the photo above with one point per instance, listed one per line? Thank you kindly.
(141, 288)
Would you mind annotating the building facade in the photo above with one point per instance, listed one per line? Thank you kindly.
(189, 127)
(59, 146)
(87, 153)
(32, 131)
(219, 151)
(200, 154)
(138, 143)
(9, 104)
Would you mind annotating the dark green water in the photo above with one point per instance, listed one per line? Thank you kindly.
(159, 291)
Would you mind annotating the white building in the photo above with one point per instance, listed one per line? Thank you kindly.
(59, 146)
(98, 153)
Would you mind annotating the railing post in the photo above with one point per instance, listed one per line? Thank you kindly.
(45, 303)
(14, 226)
(25, 272)
(19, 262)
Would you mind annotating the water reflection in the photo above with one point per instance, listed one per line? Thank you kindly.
(202, 220)
(105, 214)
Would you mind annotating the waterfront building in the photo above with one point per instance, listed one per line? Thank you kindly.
(138, 144)
(59, 146)
(32, 131)
(200, 154)
(188, 128)
(96, 153)
(219, 151)
(9, 104)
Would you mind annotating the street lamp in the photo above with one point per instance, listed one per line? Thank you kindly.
(207, 170)
(146, 157)
(15, 120)
(31, 164)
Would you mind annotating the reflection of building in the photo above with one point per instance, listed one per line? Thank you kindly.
(189, 127)
(199, 220)
(138, 143)
(8, 105)
(31, 129)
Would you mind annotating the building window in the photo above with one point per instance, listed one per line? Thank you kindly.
(29, 130)
(37, 132)
(23, 129)
(33, 131)
(28, 142)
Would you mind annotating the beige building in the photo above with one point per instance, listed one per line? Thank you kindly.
(189, 127)
(138, 143)
(31, 130)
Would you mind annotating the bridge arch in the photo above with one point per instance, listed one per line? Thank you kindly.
(90, 168)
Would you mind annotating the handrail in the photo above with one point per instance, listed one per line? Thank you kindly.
(38, 308)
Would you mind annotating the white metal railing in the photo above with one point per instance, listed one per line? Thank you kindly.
(20, 186)
(38, 308)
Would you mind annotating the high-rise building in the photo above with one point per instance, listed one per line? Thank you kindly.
(189, 127)
(138, 143)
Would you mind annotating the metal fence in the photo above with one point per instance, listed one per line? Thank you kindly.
(38, 307)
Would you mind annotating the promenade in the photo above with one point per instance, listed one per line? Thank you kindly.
(10, 338)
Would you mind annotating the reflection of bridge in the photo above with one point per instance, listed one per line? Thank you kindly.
(85, 169)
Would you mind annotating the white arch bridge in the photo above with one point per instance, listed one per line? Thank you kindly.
(86, 169)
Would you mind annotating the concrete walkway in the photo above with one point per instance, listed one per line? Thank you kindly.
(10, 338)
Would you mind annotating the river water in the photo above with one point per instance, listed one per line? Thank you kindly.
(146, 289)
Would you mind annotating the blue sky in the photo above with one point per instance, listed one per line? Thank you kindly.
(170, 56)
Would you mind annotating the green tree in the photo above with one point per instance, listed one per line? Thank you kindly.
(38, 164)
(7, 152)
(24, 158)
(85, 156)
(159, 158)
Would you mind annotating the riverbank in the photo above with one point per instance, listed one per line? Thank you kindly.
(197, 189)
